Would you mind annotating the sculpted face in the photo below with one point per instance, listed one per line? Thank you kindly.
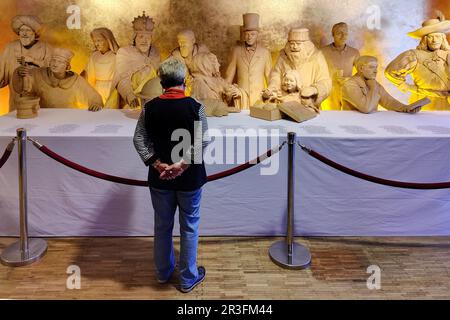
(186, 45)
(295, 45)
(143, 41)
(289, 83)
(26, 35)
(100, 43)
(340, 36)
(369, 70)
(58, 65)
(250, 37)
(434, 41)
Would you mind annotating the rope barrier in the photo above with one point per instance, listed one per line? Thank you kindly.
(246, 165)
(377, 180)
(7, 153)
(141, 183)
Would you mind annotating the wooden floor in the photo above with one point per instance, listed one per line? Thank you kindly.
(237, 268)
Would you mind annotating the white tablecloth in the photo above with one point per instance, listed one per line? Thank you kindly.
(63, 202)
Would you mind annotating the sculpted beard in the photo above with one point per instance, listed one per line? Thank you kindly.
(303, 54)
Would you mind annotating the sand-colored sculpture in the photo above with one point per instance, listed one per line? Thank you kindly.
(428, 65)
(250, 63)
(340, 58)
(26, 53)
(135, 66)
(101, 66)
(210, 88)
(292, 100)
(301, 54)
(57, 86)
(363, 93)
(187, 49)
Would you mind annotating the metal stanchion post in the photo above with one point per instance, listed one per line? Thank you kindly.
(287, 253)
(26, 250)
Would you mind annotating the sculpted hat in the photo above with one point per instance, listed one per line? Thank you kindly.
(143, 23)
(29, 21)
(251, 22)
(298, 34)
(62, 53)
(431, 26)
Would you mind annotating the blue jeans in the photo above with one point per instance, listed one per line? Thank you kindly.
(165, 203)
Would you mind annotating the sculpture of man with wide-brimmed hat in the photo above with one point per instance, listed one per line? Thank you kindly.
(250, 63)
(428, 65)
(27, 52)
(301, 54)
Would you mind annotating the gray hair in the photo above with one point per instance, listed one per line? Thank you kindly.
(172, 73)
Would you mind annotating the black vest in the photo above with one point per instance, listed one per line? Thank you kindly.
(162, 118)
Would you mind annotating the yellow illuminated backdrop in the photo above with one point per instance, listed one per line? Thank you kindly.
(216, 24)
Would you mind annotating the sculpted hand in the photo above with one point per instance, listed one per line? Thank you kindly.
(134, 104)
(235, 93)
(95, 108)
(415, 110)
(23, 71)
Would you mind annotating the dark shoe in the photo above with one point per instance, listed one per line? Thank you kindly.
(201, 277)
(163, 281)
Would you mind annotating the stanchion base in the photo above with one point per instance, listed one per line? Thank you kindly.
(12, 256)
(301, 257)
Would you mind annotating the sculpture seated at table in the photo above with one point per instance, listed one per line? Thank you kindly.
(57, 87)
(292, 100)
(209, 87)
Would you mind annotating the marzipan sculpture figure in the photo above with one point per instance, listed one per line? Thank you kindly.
(340, 58)
(250, 63)
(288, 101)
(135, 66)
(26, 53)
(363, 93)
(57, 86)
(428, 65)
(101, 66)
(209, 87)
(187, 49)
(301, 54)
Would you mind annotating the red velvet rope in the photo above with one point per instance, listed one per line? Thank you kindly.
(391, 183)
(246, 165)
(107, 177)
(7, 153)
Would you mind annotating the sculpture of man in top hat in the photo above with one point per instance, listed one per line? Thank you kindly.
(302, 55)
(340, 57)
(101, 66)
(135, 66)
(27, 52)
(57, 86)
(428, 65)
(250, 63)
